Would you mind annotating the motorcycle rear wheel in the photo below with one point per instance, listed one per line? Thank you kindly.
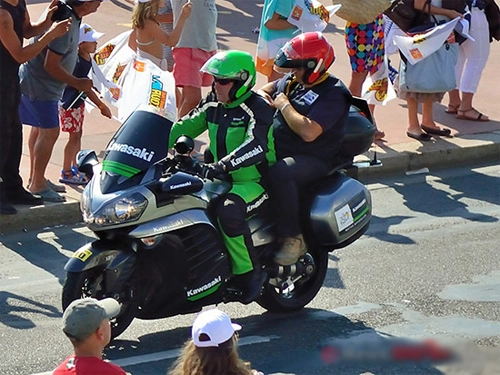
(274, 300)
(90, 283)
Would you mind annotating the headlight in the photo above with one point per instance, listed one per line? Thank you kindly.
(85, 205)
(122, 210)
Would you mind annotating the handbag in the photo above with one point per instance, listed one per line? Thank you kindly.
(404, 14)
(361, 11)
(435, 73)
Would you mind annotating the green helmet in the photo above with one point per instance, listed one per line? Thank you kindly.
(234, 65)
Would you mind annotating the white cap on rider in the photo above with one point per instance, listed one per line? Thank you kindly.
(212, 328)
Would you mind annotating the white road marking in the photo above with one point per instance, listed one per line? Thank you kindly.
(168, 354)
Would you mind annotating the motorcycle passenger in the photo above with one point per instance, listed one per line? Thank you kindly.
(309, 124)
(239, 128)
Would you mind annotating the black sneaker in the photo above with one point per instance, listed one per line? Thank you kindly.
(22, 196)
(7, 209)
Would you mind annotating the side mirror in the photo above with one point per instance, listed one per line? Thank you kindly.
(184, 145)
(85, 161)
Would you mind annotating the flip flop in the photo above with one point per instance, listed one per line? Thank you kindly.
(50, 195)
(462, 115)
(57, 188)
(436, 131)
(419, 137)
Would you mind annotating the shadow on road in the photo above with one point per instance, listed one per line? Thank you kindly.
(13, 305)
(307, 342)
(43, 251)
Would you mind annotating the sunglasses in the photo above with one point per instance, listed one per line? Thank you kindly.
(223, 81)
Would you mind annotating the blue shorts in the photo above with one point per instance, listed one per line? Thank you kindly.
(39, 113)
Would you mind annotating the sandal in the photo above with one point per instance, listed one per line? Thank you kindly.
(70, 178)
(419, 137)
(462, 115)
(50, 185)
(436, 131)
(49, 195)
(452, 109)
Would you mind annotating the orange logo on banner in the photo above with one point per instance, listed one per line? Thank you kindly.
(416, 54)
(139, 66)
(296, 13)
(101, 56)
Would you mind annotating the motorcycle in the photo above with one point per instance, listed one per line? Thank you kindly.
(159, 252)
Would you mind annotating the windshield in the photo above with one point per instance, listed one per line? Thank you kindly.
(141, 141)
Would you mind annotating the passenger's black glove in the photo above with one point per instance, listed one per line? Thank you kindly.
(213, 170)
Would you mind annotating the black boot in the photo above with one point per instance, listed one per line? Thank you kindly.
(250, 284)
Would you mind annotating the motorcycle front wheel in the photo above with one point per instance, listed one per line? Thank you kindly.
(301, 292)
(90, 283)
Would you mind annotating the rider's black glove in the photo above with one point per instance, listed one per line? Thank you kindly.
(211, 171)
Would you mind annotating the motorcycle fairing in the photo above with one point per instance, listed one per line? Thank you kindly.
(171, 223)
(133, 150)
(187, 268)
(100, 253)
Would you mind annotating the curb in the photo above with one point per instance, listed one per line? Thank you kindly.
(396, 160)
(466, 150)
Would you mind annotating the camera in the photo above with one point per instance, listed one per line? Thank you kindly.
(62, 12)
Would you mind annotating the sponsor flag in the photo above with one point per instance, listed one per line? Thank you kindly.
(127, 81)
(377, 88)
(417, 47)
(311, 15)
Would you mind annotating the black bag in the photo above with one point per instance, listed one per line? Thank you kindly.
(404, 14)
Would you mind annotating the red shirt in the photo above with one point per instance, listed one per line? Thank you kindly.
(87, 366)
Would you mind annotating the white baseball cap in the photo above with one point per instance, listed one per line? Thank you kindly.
(212, 328)
(88, 34)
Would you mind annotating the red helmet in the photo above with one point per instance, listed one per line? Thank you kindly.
(310, 51)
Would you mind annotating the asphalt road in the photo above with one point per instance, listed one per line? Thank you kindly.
(428, 267)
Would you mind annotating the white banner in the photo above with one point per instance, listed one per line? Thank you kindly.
(418, 47)
(128, 81)
(311, 15)
(378, 88)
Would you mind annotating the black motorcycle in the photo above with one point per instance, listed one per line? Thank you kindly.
(159, 252)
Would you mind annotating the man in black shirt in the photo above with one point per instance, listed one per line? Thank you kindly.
(15, 25)
(309, 125)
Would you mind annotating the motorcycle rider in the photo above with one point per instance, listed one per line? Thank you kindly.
(309, 124)
(239, 128)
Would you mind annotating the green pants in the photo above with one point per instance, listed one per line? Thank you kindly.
(244, 200)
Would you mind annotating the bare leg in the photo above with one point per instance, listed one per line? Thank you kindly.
(454, 101)
(355, 86)
(42, 152)
(71, 149)
(427, 114)
(191, 96)
(31, 147)
(413, 123)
